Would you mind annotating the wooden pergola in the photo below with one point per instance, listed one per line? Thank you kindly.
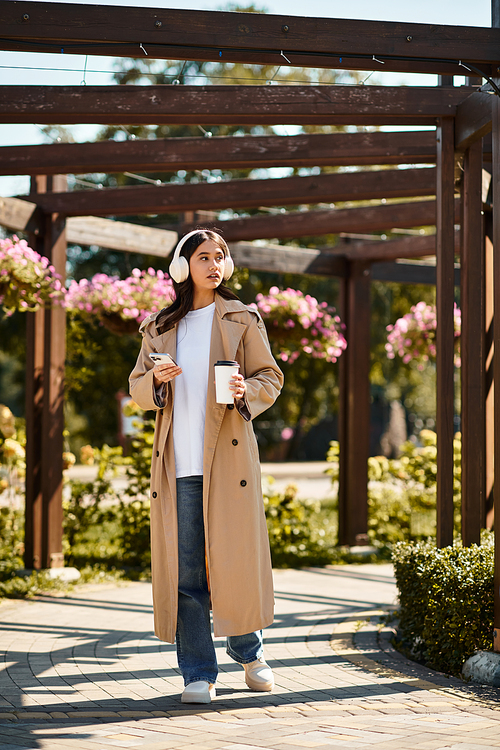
(459, 145)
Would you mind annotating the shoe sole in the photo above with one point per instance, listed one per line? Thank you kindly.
(198, 698)
(267, 687)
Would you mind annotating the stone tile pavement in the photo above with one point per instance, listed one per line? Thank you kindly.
(84, 672)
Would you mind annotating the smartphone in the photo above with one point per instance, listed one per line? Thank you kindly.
(162, 359)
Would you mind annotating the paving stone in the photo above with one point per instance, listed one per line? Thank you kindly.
(93, 676)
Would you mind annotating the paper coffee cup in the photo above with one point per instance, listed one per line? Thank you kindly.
(224, 371)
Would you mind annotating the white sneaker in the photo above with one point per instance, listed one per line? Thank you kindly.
(259, 675)
(198, 692)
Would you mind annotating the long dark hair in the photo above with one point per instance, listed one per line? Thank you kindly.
(184, 292)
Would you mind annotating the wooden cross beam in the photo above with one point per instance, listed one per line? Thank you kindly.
(473, 119)
(242, 193)
(221, 152)
(330, 261)
(325, 221)
(16, 214)
(244, 37)
(232, 105)
(24, 216)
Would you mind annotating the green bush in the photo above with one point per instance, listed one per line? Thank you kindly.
(90, 515)
(300, 532)
(402, 492)
(446, 601)
(134, 533)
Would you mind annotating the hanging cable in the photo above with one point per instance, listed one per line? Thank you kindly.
(143, 179)
(215, 52)
(83, 82)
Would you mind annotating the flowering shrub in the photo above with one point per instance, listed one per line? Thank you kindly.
(12, 454)
(27, 280)
(413, 337)
(129, 300)
(298, 323)
(402, 491)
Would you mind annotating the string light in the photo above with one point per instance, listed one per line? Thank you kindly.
(175, 78)
(70, 48)
(142, 178)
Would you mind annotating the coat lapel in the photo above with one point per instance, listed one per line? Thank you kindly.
(166, 342)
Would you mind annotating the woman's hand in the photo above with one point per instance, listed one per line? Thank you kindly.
(164, 373)
(238, 386)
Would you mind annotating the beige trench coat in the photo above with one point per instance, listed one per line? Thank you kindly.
(237, 544)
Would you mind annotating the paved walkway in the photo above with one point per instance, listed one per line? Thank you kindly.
(84, 672)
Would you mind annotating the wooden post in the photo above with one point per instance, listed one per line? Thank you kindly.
(495, 233)
(496, 359)
(495, 13)
(44, 406)
(489, 384)
(445, 251)
(354, 421)
(472, 348)
(35, 338)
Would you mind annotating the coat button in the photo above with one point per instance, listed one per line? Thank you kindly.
(230, 406)
(157, 454)
(235, 442)
(161, 412)
(243, 482)
(155, 494)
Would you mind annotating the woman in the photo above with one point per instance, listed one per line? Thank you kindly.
(209, 540)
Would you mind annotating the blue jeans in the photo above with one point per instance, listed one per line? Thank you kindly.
(195, 647)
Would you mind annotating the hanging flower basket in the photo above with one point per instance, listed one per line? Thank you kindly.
(413, 337)
(116, 324)
(298, 323)
(120, 304)
(27, 280)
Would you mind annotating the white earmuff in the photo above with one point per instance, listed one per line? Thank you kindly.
(179, 267)
(228, 266)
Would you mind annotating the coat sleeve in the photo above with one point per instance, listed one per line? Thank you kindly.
(141, 384)
(263, 377)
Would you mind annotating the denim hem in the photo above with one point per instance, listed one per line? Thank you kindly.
(238, 659)
(200, 679)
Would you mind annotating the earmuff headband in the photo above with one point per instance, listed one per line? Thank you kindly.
(179, 267)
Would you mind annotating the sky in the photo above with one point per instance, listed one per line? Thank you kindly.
(17, 68)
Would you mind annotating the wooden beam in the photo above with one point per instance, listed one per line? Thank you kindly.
(495, 13)
(331, 262)
(405, 247)
(245, 193)
(472, 349)
(354, 406)
(319, 222)
(282, 259)
(473, 119)
(181, 34)
(488, 360)
(445, 250)
(408, 273)
(55, 247)
(44, 406)
(24, 216)
(120, 235)
(172, 154)
(232, 105)
(20, 215)
(17, 215)
(496, 358)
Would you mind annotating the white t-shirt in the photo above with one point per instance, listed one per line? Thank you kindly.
(190, 398)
